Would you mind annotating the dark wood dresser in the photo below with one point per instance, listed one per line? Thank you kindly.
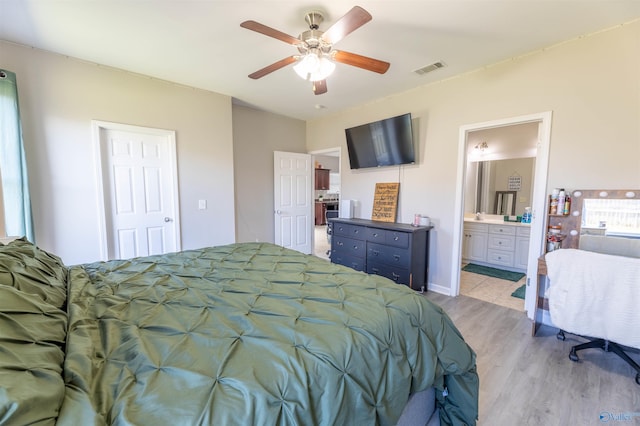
(396, 251)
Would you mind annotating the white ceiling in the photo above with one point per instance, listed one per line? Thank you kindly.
(200, 43)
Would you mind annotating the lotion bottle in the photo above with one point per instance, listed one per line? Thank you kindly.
(561, 198)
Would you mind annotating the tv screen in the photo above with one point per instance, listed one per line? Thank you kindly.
(387, 142)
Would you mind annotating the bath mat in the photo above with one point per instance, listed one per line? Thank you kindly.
(493, 272)
(519, 293)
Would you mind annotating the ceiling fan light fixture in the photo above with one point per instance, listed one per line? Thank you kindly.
(314, 67)
(317, 59)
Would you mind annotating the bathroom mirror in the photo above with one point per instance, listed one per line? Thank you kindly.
(500, 158)
(488, 186)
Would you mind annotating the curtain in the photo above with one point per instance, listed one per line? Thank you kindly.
(13, 165)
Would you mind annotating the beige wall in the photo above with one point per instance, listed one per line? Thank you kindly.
(256, 135)
(58, 99)
(592, 85)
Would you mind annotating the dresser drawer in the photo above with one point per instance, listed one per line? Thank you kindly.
(348, 246)
(523, 231)
(376, 235)
(502, 229)
(502, 242)
(476, 226)
(392, 238)
(346, 260)
(388, 254)
(397, 239)
(352, 231)
(500, 257)
(398, 275)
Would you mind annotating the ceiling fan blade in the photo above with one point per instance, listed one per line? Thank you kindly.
(354, 19)
(360, 61)
(273, 67)
(271, 32)
(319, 87)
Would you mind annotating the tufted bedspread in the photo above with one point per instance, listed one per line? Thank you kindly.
(249, 334)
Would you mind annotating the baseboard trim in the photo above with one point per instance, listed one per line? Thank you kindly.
(439, 289)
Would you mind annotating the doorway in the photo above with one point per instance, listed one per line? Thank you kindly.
(326, 198)
(137, 190)
(537, 202)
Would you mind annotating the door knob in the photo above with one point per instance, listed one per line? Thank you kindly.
(167, 219)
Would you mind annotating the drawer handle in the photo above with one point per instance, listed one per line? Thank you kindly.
(356, 231)
(395, 276)
(500, 243)
(375, 252)
(375, 235)
(396, 257)
(396, 238)
(355, 247)
(339, 243)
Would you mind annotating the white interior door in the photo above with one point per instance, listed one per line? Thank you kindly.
(292, 201)
(138, 175)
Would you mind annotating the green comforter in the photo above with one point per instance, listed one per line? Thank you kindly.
(254, 334)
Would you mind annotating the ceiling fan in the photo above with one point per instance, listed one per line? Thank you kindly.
(317, 57)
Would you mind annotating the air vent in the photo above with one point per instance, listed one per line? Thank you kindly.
(429, 68)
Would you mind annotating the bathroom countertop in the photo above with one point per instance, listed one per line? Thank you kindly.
(493, 220)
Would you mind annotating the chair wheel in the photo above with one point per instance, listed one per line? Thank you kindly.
(560, 335)
(573, 356)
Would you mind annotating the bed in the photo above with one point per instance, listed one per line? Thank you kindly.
(248, 333)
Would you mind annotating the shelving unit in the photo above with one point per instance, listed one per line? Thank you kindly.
(570, 234)
(567, 222)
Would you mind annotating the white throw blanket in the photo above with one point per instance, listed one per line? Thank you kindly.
(596, 295)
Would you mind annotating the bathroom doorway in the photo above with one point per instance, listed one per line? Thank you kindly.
(538, 198)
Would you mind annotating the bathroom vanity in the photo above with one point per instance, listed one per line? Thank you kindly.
(496, 243)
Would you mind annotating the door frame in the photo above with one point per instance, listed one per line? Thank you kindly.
(538, 206)
(96, 127)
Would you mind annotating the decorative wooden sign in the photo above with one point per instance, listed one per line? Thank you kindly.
(385, 202)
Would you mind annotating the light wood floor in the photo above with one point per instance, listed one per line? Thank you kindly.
(528, 380)
(321, 244)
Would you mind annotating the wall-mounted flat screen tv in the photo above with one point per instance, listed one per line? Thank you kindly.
(387, 142)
